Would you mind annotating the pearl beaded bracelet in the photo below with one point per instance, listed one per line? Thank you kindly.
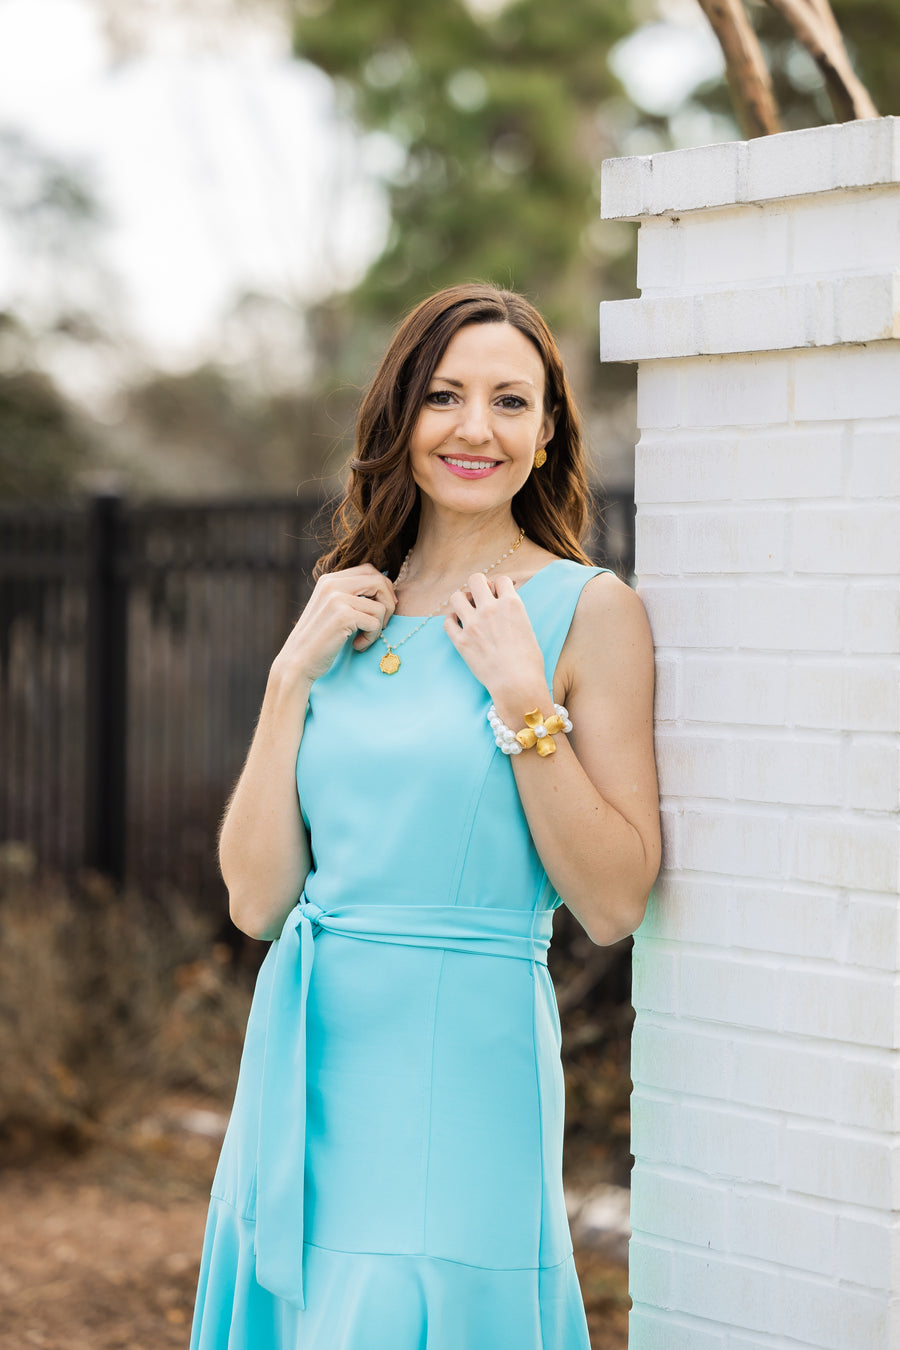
(536, 731)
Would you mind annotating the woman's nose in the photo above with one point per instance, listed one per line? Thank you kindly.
(475, 423)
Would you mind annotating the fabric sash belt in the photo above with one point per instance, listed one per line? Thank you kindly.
(520, 934)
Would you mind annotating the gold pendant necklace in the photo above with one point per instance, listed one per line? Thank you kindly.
(390, 662)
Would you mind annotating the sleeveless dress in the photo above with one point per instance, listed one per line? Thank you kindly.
(391, 1176)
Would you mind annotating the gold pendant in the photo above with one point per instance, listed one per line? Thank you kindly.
(390, 662)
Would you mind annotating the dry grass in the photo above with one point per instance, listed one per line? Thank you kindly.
(105, 1002)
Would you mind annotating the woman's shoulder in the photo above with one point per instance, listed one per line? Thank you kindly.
(610, 630)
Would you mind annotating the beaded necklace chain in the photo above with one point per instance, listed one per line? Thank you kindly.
(390, 662)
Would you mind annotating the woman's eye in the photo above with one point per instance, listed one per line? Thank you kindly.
(512, 401)
(440, 397)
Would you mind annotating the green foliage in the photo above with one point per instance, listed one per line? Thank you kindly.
(497, 119)
(42, 442)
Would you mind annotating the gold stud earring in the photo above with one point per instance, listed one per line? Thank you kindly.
(540, 457)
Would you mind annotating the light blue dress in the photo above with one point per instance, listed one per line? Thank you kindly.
(391, 1177)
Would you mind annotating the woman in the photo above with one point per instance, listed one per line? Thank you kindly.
(391, 1176)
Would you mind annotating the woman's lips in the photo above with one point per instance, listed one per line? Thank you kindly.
(469, 468)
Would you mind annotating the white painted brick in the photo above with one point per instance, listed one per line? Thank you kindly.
(815, 160)
(872, 697)
(677, 1207)
(695, 616)
(786, 770)
(623, 187)
(656, 543)
(775, 918)
(658, 391)
(667, 694)
(660, 254)
(650, 1272)
(702, 1064)
(785, 1229)
(873, 933)
(798, 163)
(778, 616)
(670, 821)
(705, 175)
(831, 1317)
(656, 978)
(866, 1094)
(667, 469)
(692, 765)
(856, 853)
(792, 1077)
(734, 992)
(688, 910)
(873, 617)
(744, 391)
(864, 1252)
(853, 231)
(836, 1006)
(728, 247)
(727, 1291)
(833, 385)
(727, 1142)
(834, 1166)
(859, 697)
(733, 843)
(735, 689)
(650, 1331)
(875, 463)
(843, 539)
(732, 541)
(765, 318)
(872, 775)
(796, 464)
(654, 1128)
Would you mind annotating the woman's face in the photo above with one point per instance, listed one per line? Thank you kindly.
(472, 447)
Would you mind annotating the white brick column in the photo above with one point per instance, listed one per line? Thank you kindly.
(766, 1107)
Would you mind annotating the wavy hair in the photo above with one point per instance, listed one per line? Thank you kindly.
(377, 518)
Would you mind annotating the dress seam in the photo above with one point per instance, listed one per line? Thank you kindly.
(449, 1260)
(540, 1116)
(429, 1097)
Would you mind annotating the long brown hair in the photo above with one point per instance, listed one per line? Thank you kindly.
(377, 519)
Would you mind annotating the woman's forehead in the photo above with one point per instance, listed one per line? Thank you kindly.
(496, 351)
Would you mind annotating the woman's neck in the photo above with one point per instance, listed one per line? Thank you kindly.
(447, 549)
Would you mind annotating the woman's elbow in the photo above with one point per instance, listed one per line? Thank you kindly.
(606, 924)
(249, 919)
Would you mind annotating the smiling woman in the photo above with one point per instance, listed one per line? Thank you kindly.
(391, 1178)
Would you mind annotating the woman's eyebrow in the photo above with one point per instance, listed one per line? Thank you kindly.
(503, 384)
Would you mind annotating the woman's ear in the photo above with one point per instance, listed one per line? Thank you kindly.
(548, 425)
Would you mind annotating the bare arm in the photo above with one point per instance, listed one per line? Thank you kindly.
(263, 847)
(592, 807)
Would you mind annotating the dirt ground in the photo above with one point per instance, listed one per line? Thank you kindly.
(99, 1251)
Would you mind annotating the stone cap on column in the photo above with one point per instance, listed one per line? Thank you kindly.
(783, 242)
(792, 164)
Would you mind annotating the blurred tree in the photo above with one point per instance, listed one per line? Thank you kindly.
(43, 443)
(489, 113)
(871, 32)
(816, 31)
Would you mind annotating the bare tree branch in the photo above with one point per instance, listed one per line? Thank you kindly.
(745, 67)
(815, 26)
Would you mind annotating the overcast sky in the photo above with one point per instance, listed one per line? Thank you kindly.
(219, 169)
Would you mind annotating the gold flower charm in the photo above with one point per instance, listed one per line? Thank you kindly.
(540, 732)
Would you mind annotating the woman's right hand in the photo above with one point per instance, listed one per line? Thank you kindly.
(355, 603)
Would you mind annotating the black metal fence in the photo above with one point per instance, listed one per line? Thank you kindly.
(134, 646)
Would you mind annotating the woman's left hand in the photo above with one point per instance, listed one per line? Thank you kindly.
(490, 628)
